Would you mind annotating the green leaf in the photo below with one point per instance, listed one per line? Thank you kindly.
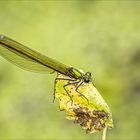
(87, 107)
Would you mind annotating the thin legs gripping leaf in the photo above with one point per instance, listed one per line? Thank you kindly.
(63, 87)
(78, 84)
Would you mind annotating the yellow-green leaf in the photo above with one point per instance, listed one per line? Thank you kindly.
(87, 107)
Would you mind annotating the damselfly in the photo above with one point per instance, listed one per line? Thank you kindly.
(93, 114)
(31, 60)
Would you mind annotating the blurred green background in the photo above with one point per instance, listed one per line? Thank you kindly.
(98, 36)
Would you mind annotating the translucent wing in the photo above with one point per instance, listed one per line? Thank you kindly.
(22, 59)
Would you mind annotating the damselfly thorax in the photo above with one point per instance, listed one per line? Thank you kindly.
(78, 74)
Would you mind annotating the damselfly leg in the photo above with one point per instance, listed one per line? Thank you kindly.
(58, 79)
(75, 82)
(78, 84)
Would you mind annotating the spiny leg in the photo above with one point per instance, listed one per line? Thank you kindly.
(80, 83)
(76, 82)
(63, 86)
(72, 83)
(68, 93)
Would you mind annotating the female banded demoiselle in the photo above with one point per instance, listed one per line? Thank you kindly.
(31, 60)
(93, 114)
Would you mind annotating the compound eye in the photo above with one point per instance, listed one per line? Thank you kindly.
(87, 80)
(87, 77)
(89, 73)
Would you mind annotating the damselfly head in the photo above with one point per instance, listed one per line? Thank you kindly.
(87, 77)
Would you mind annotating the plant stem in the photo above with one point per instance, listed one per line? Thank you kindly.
(104, 133)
